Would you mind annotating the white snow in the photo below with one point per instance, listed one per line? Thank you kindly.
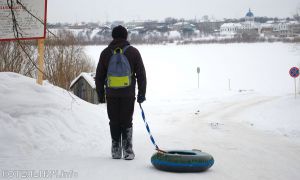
(252, 130)
(174, 34)
(37, 119)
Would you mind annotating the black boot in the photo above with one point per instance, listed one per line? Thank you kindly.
(116, 147)
(128, 153)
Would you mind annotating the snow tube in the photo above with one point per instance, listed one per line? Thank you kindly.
(182, 161)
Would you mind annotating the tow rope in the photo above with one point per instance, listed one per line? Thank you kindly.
(149, 132)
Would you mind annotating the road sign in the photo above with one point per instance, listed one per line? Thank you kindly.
(30, 16)
(294, 72)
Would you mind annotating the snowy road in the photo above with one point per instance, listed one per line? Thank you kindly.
(240, 150)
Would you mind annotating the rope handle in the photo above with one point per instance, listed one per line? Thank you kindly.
(149, 132)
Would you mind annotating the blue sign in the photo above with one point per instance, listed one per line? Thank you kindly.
(294, 72)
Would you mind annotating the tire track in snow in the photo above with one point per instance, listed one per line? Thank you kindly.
(231, 109)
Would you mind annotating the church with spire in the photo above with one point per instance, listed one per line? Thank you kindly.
(249, 25)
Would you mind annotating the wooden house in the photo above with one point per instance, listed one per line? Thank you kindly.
(84, 87)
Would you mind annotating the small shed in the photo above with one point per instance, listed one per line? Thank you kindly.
(84, 87)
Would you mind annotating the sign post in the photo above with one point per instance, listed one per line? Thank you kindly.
(25, 20)
(294, 72)
(41, 49)
(198, 71)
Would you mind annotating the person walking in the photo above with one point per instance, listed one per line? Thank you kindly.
(119, 91)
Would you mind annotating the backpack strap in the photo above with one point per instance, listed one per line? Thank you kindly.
(125, 48)
(115, 51)
(122, 51)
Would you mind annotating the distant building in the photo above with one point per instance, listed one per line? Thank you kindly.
(230, 29)
(287, 29)
(84, 87)
(249, 26)
(186, 29)
(294, 28)
(266, 29)
(249, 23)
(209, 27)
(281, 29)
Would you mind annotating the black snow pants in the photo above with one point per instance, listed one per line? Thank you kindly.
(120, 111)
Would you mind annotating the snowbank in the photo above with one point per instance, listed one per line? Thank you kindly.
(46, 119)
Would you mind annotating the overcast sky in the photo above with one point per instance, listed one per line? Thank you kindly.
(111, 10)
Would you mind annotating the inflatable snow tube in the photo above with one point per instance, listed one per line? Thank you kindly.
(182, 161)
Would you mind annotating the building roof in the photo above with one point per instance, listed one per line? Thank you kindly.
(266, 25)
(89, 77)
(249, 14)
(230, 25)
(270, 22)
(293, 22)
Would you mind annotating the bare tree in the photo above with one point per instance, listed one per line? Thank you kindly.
(65, 60)
(13, 59)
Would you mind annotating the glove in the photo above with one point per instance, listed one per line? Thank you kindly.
(141, 98)
(101, 99)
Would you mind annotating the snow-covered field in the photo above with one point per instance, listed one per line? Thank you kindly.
(262, 67)
(252, 130)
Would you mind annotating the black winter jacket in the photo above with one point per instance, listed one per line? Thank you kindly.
(137, 68)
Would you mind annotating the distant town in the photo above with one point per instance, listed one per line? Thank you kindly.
(180, 31)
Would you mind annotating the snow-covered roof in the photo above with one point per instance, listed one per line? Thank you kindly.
(229, 25)
(181, 23)
(89, 77)
(139, 27)
(282, 21)
(266, 25)
(293, 22)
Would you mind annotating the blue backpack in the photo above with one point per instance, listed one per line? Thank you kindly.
(119, 70)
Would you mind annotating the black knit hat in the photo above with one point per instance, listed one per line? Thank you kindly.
(119, 32)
